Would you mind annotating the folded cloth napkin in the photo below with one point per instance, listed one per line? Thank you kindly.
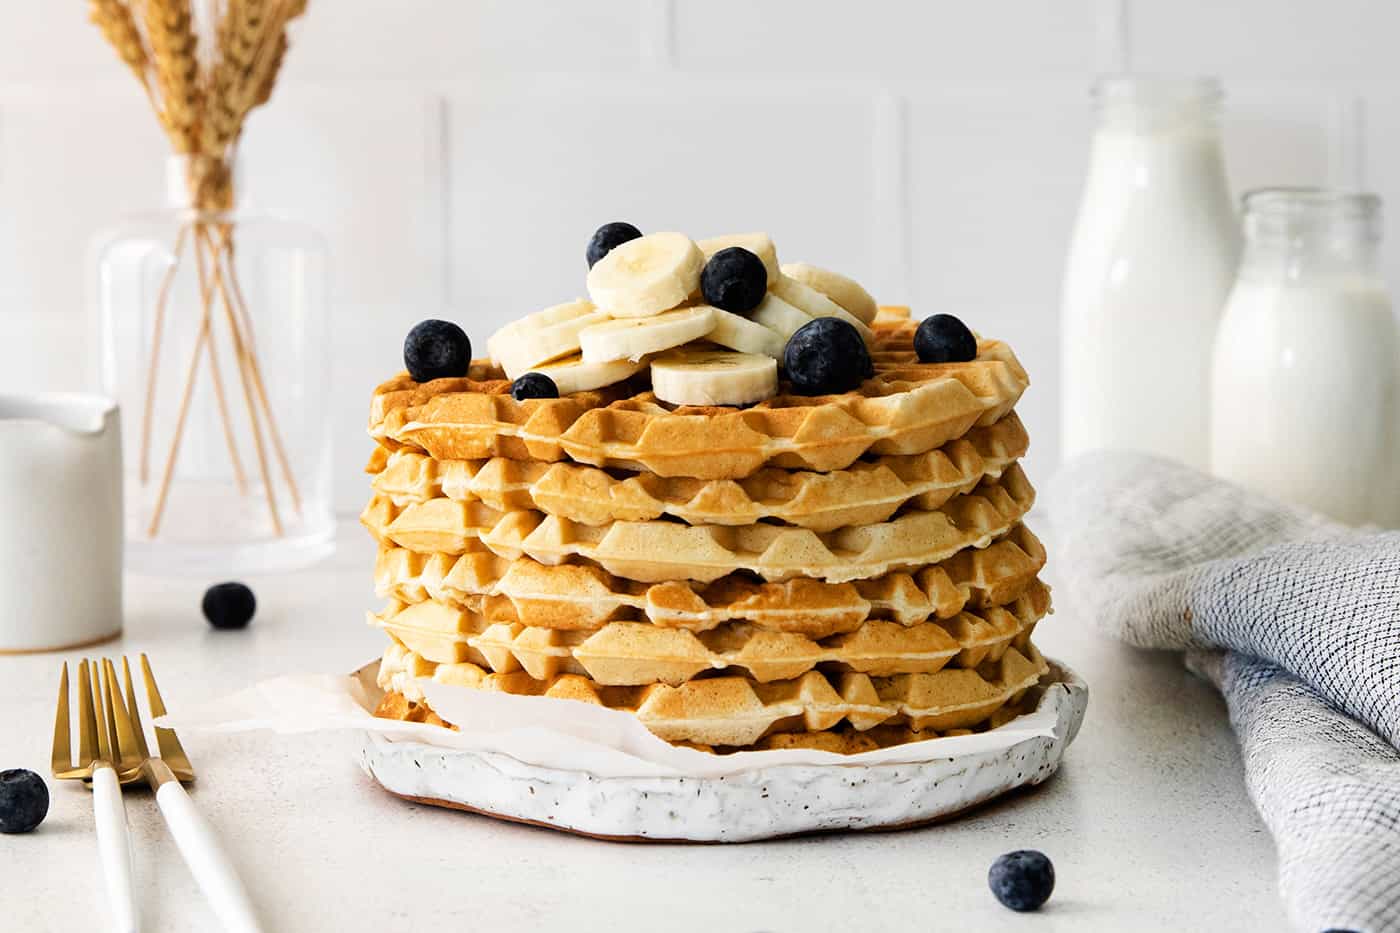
(1297, 621)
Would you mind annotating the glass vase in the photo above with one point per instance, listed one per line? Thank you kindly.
(214, 343)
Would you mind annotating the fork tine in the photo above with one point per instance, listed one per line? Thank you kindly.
(135, 711)
(123, 740)
(62, 758)
(170, 748)
(104, 724)
(87, 718)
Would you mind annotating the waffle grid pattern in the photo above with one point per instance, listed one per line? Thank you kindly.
(840, 573)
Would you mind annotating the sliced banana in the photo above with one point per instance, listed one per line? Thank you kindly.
(575, 374)
(760, 244)
(815, 304)
(634, 337)
(713, 377)
(779, 316)
(739, 333)
(846, 292)
(543, 336)
(647, 275)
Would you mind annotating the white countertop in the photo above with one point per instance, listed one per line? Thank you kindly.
(1148, 822)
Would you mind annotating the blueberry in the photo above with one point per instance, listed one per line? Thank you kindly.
(944, 339)
(606, 237)
(826, 356)
(1022, 880)
(533, 385)
(436, 350)
(734, 279)
(229, 605)
(24, 800)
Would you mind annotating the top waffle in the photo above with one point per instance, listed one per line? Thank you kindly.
(906, 407)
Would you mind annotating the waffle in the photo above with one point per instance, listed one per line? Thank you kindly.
(631, 653)
(656, 551)
(579, 597)
(907, 407)
(867, 492)
(738, 711)
(842, 740)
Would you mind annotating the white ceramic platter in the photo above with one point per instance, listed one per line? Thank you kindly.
(765, 803)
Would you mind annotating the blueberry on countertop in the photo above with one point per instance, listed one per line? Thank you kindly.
(944, 339)
(436, 350)
(826, 356)
(229, 605)
(1022, 880)
(608, 236)
(24, 800)
(734, 279)
(533, 385)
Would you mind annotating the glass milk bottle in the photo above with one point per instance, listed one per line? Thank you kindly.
(1304, 386)
(1150, 264)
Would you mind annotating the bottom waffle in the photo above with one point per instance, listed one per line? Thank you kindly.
(841, 740)
(739, 711)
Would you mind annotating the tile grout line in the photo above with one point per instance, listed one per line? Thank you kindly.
(439, 189)
(657, 34)
(890, 188)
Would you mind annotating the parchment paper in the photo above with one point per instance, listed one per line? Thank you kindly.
(542, 731)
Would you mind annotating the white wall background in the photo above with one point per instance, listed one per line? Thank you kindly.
(458, 153)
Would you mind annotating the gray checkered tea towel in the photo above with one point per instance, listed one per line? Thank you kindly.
(1297, 621)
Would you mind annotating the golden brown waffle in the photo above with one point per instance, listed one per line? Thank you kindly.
(661, 550)
(729, 710)
(578, 597)
(843, 740)
(907, 407)
(631, 653)
(868, 492)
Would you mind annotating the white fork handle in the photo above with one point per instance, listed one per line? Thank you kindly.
(114, 846)
(207, 860)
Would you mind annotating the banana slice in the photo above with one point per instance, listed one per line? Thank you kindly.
(815, 304)
(739, 333)
(760, 244)
(846, 292)
(543, 336)
(646, 276)
(575, 374)
(777, 315)
(634, 337)
(713, 377)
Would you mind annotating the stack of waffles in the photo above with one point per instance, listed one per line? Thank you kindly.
(841, 572)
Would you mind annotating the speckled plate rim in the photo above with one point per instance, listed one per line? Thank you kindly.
(764, 803)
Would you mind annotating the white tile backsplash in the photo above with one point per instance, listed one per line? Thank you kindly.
(987, 39)
(458, 153)
(536, 168)
(994, 184)
(1294, 39)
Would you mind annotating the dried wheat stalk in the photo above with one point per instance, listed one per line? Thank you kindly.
(238, 37)
(203, 106)
(170, 30)
(118, 26)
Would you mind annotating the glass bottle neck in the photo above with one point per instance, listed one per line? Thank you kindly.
(1144, 105)
(1296, 234)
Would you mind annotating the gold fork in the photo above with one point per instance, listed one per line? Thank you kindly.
(164, 772)
(101, 762)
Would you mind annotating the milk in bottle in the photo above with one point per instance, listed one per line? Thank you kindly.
(1305, 397)
(1151, 262)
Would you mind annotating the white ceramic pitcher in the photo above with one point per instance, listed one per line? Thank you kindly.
(60, 521)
